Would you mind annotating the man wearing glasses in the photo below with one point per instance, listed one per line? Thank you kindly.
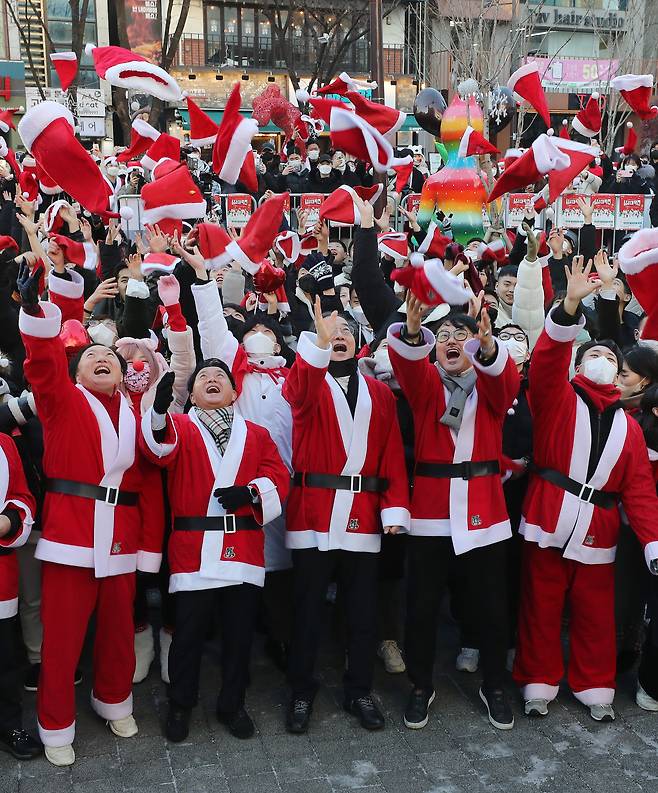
(458, 514)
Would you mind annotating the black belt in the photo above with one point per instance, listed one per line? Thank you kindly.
(229, 524)
(585, 493)
(465, 470)
(355, 483)
(109, 495)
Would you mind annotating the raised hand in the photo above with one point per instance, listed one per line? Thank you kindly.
(531, 241)
(157, 241)
(579, 284)
(485, 336)
(607, 272)
(168, 290)
(475, 304)
(27, 284)
(325, 327)
(164, 393)
(106, 290)
(414, 314)
(366, 211)
(28, 224)
(586, 208)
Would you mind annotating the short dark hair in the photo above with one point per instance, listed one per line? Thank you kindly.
(237, 307)
(642, 360)
(491, 293)
(458, 320)
(509, 270)
(609, 343)
(74, 362)
(205, 364)
(473, 239)
(498, 331)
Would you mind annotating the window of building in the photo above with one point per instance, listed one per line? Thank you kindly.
(60, 29)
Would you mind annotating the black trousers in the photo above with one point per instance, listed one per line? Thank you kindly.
(356, 575)
(647, 674)
(237, 607)
(431, 560)
(277, 604)
(11, 683)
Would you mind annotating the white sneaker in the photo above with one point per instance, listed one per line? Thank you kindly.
(536, 707)
(602, 712)
(165, 644)
(123, 728)
(60, 755)
(144, 653)
(468, 659)
(644, 701)
(390, 654)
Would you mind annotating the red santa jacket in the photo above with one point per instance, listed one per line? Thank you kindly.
(15, 495)
(209, 559)
(562, 439)
(327, 439)
(81, 444)
(472, 512)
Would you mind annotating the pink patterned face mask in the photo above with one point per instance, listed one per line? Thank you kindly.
(137, 380)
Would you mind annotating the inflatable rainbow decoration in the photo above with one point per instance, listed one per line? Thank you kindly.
(457, 187)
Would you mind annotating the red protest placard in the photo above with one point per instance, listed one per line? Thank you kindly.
(413, 202)
(239, 208)
(515, 208)
(630, 212)
(603, 210)
(311, 203)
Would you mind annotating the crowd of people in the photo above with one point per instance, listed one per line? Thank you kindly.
(257, 421)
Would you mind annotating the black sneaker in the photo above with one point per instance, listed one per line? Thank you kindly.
(298, 715)
(239, 723)
(177, 726)
(416, 715)
(366, 712)
(498, 709)
(20, 744)
(31, 682)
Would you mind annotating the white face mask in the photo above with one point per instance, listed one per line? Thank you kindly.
(112, 170)
(296, 165)
(101, 334)
(383, 359)
(518, 350)
(359, 315)
(258, 344)
(600, 370)
(313, 154)
(325, 169)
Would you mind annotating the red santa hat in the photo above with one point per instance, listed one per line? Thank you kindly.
(474, 143)
(431, 283)
(527, 84)
(637, 90)
(232, 158)
(134, 165)
(48, 132)
(47, 184)
(7, 120)
(386, 119)
(288, 244)
(78, 253)
(630, 143)
(203, 129)
(27, 180)
(435, 243)
(212, 241)
(564, 131)
(511, 155)
(340, 208)
(353, 135)
(259, 233)
(142, 135)
(163, 167)
(587, 121)
(394, 244)
(322, 108)
(66, 66)
(495, 251)
(126, 69)
(159, 263)
(403, 174)
(541, 158)
(52, 219)
(580, 157)
(8, 243)
(163, 146)
(637, 258)
(341, 85)
(174, 196)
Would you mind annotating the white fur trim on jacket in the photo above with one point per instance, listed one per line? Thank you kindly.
(496, 367)
(269, 498)
(158, 449)
(565, 333)
(639, 252)
(308, 351)
(408, 351)
(46, 327)
(396, 516)
(73, 289)
(8, 608)
(149, 562)
(37, 119)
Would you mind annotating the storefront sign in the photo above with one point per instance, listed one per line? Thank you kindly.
(570, 74)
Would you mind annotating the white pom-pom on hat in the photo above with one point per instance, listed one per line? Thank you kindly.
(89, 48)
(550, 131)
(564, 122)
(416, 260)
(302, 96)
(468, 87)
(595, 95)
(127, 213)
(629, 124)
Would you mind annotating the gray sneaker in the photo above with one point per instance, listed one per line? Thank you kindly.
(602, 712)
(536, 707)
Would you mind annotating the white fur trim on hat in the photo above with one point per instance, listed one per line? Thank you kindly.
(548, 156)
(241, 141)
(639, 252)
(578, 125)
(207, 141)
(463, 143)
(37, 118)
(174, 212)
(144, 129)
(170, 92)
(72, 289)
(629, 82)
(342, 121)
(63, 56)
(573, 145)
(520, 73)
(446, 284)
(51, 213)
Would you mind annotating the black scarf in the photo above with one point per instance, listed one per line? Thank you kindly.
(347, 369)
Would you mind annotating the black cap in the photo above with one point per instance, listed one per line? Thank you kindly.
(324, 158)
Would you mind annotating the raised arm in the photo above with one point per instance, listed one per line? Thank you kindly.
(528, 306)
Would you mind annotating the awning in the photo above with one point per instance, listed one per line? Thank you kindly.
(216, 116)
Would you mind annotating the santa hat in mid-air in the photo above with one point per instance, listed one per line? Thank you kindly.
(637, 90)
(163, 167)
(352, 134)
(126, 69)
(386, 119)
(564, 130)
(259, 233)
(232, 157)
(340, 207)
(541, 158)
(163, 146)
(28, 181)
(580, 157)
(587, 121)
(48, 133)
(637, 258)
(474, 143)
(402, 175)
(494, 251)
(341, 85)
(288, 244)
(212, 241)
(630, 142)
(66, 66)
(173, 196)
(7, 120)
(394, 244)
(435, 243)
(82, 254)
(510, 156)
(430, 282)
(52, 218)
(47, 184)
(203, 129)
(142, 136)
(159, 263)
(527, 84)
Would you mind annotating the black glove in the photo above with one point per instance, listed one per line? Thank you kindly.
(232, 498)
(28, 288)
(164, 393)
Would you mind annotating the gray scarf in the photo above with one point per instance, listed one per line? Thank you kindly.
(460, 386)
(218, 423)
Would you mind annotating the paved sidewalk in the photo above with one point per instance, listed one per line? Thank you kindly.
(458, 752)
